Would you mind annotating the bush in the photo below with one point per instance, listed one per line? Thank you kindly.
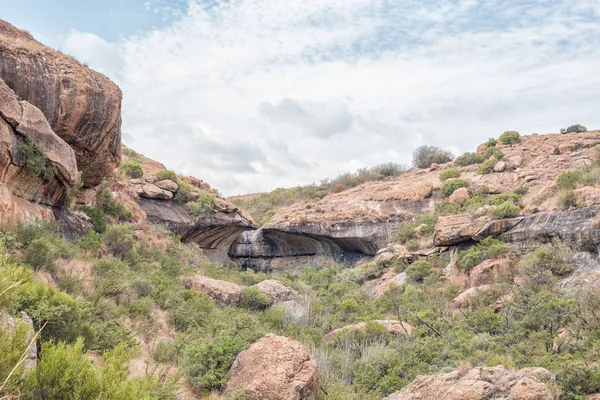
(253, 299)
(491, 143)
(493, 152)
(106, 203)
(418, 271)
(185, 193)
(166, 174)
(413, 245)
(556, 151)
(165, 351)
(425, 156)
(35, 160)
(118, 239)
(487, 166)
(389, 170)
(574, 129)
(192, 311)
(486, 249)
(510, 137)
(569, 180)
(506, 210)
(202, 206)
(338, 188)
(41, 254)
(132, 169)
(521, 190)
(97, 217)
(449, 173)
(451, 185)
(469, 159)
(206, 365)
(568, 199)
(555, 257)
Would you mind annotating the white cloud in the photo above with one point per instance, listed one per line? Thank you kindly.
(255, 94)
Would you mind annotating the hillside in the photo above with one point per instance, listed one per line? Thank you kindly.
(473, 279)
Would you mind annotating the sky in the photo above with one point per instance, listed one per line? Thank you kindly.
(251, 95)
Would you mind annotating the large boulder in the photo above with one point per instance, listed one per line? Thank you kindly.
(274, 368)
(152, 191)
(223, 292)
(276, 291)
(24, 196)
(482, 384)
(82, 106)
(390, 326)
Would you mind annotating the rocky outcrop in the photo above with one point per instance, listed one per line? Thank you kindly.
(24, 195)
(81, 106)
(152, 191)
(223, 292)
(580, 227)
(377, 287)
(277, 292)
(11, 324)
(214, 231)
(455, 229)
(390, 326)
(274, 368)
(482, 384)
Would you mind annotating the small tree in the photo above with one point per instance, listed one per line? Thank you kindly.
(424, 156)
(510, 137)
(574, 129)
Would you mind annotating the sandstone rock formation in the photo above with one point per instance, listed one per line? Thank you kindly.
(82, 106)
(274, 368)
(390, 326)
(223, 292)
(377, 287)
(151, 191)
(495, 383)
(277, 292)
(24, 196)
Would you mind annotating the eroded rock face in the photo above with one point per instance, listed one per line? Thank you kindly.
(223, 292)
(275, 368)
(482, 384)
(23, 196)
(82, 106)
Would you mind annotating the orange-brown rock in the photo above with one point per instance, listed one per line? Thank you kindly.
(377, 287)
(274, 368)
(457, 228)
(82, 106)
(488, 271)
(459, 196)
(24, 196)
(223, 292)
(460, 300)
(482, 384)
(390, 326)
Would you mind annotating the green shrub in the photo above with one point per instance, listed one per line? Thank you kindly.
(521, 190)
(510, 137)
(487, 166)
(118, 239)
(202, 206)
(34, 158)
(97, 217)
(556, 151)
(574, 129)
(132, 169)
(13, 343)
(41, 254)
(491, 143)
(166, 174)
(165, 351)
(108, 205)
(451, 185)
(129, 152)
(413, 245)
(506, 210)
(449, 173)
(469, 159)
(418, 271)
(501, 198)
(425, 156)
(569, 180)
(206, 365)
(63, 373)
(253, 299)
(192, 311)
(555, 257)
(185, 193)
(486, 249)
(568, 199)
(493, 152)
(390, 169)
